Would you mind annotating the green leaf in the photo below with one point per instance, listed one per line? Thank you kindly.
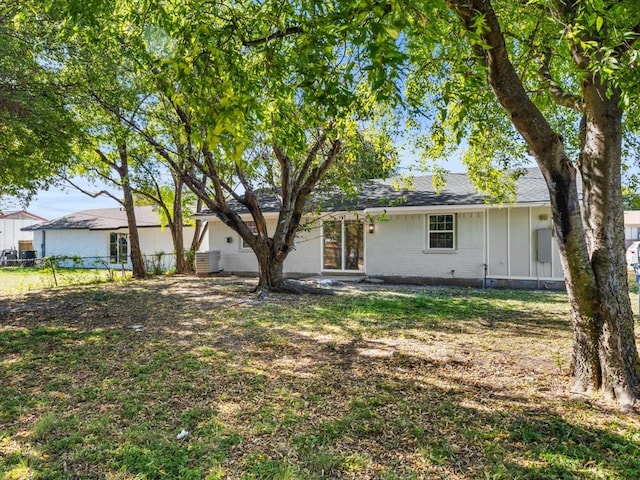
(392, 32)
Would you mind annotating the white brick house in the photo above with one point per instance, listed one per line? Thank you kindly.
(447, 237)
(101, 237)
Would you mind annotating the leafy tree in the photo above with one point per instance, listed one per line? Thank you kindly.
(112, 164)
(109, 152)
(175, 207)
(120, 163)
(244, 98)
(562, 75)
(36, 128)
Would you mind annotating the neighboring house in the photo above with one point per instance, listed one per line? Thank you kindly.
(101, 236)
(450, 236)
(631, 226)
(12, 236)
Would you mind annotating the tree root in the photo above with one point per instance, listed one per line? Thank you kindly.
(291, 287)
(301, 287)
(624, 397)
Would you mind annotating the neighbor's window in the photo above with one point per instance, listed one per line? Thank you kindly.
(118, 247)
(254, 229)
(441, 231)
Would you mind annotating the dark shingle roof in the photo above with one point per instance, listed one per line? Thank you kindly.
(458, 191)
(99, 219)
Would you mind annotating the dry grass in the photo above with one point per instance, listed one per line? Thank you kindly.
(96, 382)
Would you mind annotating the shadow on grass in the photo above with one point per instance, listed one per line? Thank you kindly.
(449, 439)
(83, 396)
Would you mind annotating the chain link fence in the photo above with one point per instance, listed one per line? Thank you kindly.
(155, 264)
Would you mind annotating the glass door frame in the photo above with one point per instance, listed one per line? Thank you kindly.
(343, 247)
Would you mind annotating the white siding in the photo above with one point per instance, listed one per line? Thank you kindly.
(233, 258)
(83, 243)
(93, 244)
(541, 218)
(502, 238)
(498, 238)
(155, 240)
(513, 247)
(398, 248)
(10, 233)
(305, 258)
(520, 243)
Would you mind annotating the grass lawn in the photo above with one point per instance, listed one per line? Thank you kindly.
(97, 381)
(17, 280)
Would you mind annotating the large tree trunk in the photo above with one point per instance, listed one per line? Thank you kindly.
(137, 261)
(270, 267)
(270, 272)
(177, 230)
(604, 349)
(200, 230)
(600, 165)
(178, 245)
(591, 239)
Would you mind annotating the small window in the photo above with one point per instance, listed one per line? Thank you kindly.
(441, 232)
(254, 229)
(118, 247)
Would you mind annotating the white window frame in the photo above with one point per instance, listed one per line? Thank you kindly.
(119, 260)
(429, 232)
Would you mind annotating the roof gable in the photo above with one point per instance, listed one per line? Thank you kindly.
(22, 215)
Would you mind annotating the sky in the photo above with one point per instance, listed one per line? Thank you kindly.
(56, 203)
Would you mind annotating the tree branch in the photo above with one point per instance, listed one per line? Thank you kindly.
(505, 82)
(558, 94)
(273, 36)
(285, 175)
(306, 188)
(92, 194)
(310, 157)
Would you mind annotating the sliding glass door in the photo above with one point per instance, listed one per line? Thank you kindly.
(343, 245)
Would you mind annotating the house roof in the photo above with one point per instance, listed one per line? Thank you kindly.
(22, 213)
(99, 219)
(458, 191)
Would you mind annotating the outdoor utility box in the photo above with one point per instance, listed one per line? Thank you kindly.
(543, 245)
(207, 262)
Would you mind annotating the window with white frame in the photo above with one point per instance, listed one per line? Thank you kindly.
(118, 247)
(441, 231)
(254, 229)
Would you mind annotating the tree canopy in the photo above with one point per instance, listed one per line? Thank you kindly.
(246, 97)
(36, 126)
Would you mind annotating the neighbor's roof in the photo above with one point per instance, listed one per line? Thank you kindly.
(99, 219)
(22, 213)
(458, 191)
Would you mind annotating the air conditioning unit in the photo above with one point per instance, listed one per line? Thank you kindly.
(207, 262)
